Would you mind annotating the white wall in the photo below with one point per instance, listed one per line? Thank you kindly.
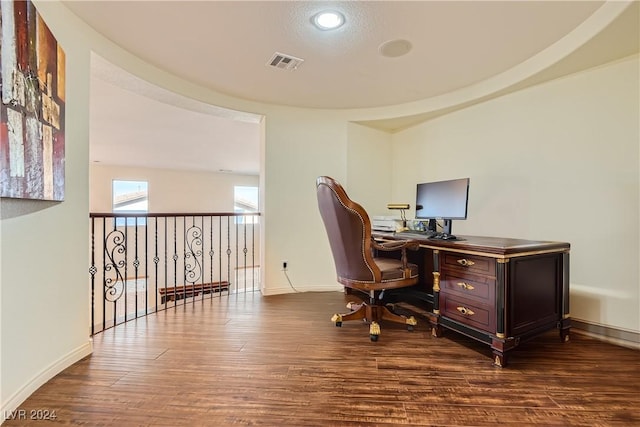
(169, 190)
(301, 145)
(43, 275)
(368, 175)
(558, 161)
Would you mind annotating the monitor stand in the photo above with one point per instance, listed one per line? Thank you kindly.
(445, 234)
(446, 226)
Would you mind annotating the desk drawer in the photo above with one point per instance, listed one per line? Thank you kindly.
(469, 312)
(480, 288)
(471, 263)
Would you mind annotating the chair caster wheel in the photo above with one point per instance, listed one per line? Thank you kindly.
(411, 323)
(337, 319)
(374, 331)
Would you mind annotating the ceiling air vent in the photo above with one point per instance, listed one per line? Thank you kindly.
(285, 62)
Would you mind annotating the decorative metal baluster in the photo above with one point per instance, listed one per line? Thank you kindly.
(244, 250)
(115, 260)
(253, 252)
(136, 267)
(235, 220)
(146, 267)
(126, 265)
(211, 251)
(93, 270)
(229, 249)
(220, 248)
(175, 259)
(202, 255)
(156, 259)
(104, 278)
(193, 240)
(184, 259)
(166, 257)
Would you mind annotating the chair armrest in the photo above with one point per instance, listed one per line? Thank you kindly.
(401, 245)
(394, 245)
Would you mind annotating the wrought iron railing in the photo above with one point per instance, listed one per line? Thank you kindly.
(144, 263)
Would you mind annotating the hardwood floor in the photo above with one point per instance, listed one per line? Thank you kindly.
(279, 360)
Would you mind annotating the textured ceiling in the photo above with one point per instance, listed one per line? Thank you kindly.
(226, 45)
(456, 45)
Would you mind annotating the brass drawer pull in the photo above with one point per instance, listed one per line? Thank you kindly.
(465, 286)
(466, 263)
(466, 311)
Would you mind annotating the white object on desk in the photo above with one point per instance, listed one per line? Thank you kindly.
(386, 223)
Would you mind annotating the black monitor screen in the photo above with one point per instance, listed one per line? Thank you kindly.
(442, 199)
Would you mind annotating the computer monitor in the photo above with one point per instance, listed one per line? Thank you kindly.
(443, 200)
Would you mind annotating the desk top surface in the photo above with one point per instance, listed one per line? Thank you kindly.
(504, 246)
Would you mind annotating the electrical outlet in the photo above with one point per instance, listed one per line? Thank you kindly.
(284, 265)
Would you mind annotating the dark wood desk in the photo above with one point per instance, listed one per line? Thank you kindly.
(499, 291)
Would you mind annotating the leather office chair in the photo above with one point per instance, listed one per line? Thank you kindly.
(349, 231)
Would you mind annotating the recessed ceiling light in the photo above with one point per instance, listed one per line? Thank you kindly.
(328, 20)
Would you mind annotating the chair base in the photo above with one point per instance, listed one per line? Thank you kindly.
(372, 314)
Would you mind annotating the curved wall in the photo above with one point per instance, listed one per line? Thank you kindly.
(45, 315)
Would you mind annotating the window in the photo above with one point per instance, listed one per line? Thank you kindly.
(130, 197)
(245, 200)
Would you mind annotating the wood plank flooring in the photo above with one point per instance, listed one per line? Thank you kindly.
(280, 361)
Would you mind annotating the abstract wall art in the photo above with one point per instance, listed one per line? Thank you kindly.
(32, 79)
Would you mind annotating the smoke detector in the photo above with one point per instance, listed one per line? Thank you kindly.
(284, 61)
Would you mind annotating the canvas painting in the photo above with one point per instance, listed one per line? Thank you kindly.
(32, 79)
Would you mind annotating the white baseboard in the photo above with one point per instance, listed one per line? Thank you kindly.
(286, 289)
(45, 375)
